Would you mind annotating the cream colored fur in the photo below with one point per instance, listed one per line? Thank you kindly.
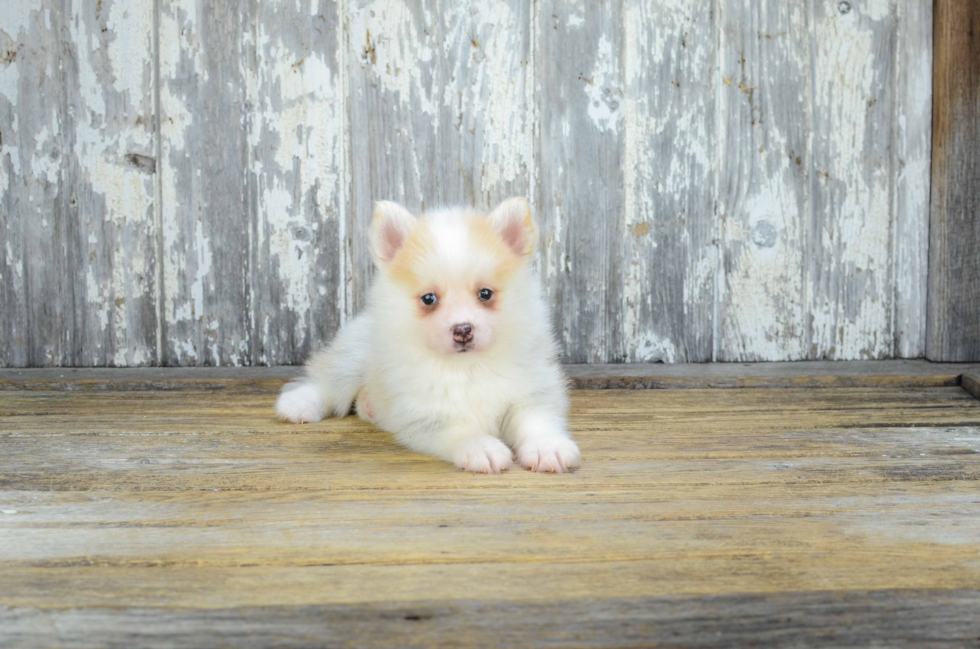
(479, 409)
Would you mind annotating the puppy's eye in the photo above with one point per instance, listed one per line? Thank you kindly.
(485, 294)
(429, 299)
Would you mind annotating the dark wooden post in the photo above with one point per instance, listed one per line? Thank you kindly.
(953, 324)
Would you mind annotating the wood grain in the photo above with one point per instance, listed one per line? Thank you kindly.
(764, 193)
(850, 227)
(187, 183)
(664, 251)
(297, 185)
(895, 373)
(954, 231)
(896, 618)
(912, 151)
(971, 383)
(581, 153)
(760, 516)
(76, 184)
(441, 113)
(204, 212)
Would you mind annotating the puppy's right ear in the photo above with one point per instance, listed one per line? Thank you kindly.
(390, 227)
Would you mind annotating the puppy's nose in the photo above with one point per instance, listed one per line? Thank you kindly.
(463, 333)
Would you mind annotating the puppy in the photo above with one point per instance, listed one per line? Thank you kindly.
(454, 354)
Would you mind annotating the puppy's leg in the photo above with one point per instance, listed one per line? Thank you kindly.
(539, 435)
(333, 377)
(461, 445)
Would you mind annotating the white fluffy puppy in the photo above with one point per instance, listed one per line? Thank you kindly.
(454, 354)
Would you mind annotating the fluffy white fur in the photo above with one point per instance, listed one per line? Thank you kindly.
(406, 374)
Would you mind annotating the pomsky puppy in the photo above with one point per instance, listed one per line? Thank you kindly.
(454, 354)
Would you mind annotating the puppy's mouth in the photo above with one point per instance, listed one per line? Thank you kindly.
(462, 348)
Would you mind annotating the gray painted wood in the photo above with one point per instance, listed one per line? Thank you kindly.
(665, 251)
(764, 198)
(581, 84)
(745, 183)
(76, 183)
(954, 254)
(440, 109)
(913, 154)
(297, 190)
(849, 278)
(204, 202)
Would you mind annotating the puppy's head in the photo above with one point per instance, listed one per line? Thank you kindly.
(455, 275)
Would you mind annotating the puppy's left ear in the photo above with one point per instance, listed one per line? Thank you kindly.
(512, 220)
(391, 225)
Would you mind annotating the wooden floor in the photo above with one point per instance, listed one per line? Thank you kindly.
(771, 517)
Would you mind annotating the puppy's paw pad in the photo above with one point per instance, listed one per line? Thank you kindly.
(555, 454)
(484, 455)
(300, 405)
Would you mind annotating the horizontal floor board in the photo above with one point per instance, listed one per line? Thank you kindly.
(897, 373)
(894, 618)
(136, 516)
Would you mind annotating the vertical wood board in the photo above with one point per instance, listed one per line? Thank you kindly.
(954, 232)
(580, 83)
(764, 163)
(849, 277)
(664, 253)
(76, 183)
(297, 189)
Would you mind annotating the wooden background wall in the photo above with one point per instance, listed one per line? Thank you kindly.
(189, 182)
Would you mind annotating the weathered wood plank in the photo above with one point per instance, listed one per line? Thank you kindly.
(110, 174)
(440, 110)
(229, 441)
(849, 282)
(763, 197)
(204, 66)
(36, 312)
(971, 383)
(911, 168)
(186, 529)
(894, 618)
(622, 123)
(661, 287)
(137, 517)
(297, 185)
(77, 184)
(954, 233)
(897, 373)
(581, 92)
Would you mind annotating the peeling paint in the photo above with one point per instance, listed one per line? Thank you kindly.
(602, 87)
(704, 191)
(850, 306)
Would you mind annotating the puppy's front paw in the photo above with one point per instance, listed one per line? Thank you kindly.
(300, 405)
(549, 454)
(483, 455)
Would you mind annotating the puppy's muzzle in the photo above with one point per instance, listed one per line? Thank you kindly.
(463, 333)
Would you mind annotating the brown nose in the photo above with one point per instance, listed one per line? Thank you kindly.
(463, 333)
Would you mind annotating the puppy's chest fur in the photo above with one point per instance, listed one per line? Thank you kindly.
(479, 395)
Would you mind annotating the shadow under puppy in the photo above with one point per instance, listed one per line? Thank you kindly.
(454, 354)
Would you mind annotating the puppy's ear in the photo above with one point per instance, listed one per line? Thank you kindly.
(390, 226)
(512, 220)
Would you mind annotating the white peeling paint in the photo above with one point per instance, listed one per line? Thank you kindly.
(651, 349)
(604, 88)
(857, 234)
(464, 68)
(486, 43)
(392, 45)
